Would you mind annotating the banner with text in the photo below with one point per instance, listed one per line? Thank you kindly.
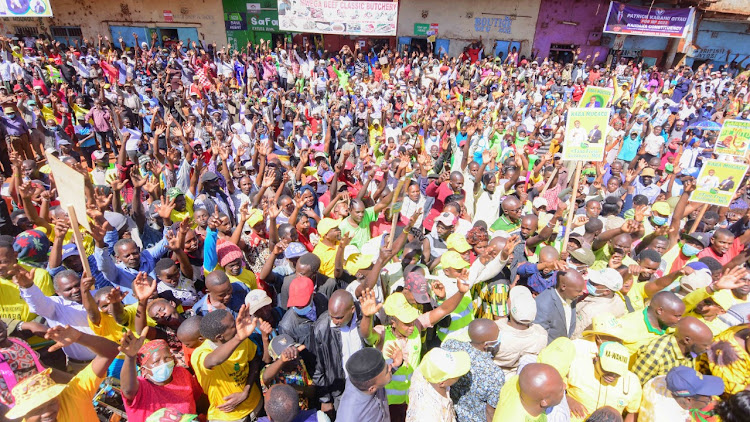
(584, 138)
(651, 21)
(372, 18)
(717, 182)
(734, 138)
(25, 8)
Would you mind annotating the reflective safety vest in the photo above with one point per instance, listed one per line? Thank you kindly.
(460, 318)
(398, 388)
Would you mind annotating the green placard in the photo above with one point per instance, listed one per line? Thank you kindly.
(420, 29)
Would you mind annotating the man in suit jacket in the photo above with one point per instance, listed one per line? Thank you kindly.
(617, 15)
(554, 303)
(595, 135)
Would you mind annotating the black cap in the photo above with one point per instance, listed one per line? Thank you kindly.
(208, 176)
(365, 364)
(701, 238)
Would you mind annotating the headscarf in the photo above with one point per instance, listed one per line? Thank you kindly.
(32, 247)
(148, 350)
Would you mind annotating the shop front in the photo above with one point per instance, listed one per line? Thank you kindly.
(252, 22)
(165, 36)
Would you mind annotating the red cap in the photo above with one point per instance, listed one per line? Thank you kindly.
(349, 165)
(300, 292)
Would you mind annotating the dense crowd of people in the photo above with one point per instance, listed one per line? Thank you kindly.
(283, 233)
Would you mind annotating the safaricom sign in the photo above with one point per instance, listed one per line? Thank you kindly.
(264, 23)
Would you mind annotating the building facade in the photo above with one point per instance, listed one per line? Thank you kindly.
(170, 20)
(565, 27)
(501, 24)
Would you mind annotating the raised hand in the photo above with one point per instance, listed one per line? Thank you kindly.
(130, 344)
(166, 207)
(394, 352)
(173, 242)
(245, 323)
(510, 245)
(22, 278)
(63, 336)
(368, 303)
(143, 287)
(732, 279)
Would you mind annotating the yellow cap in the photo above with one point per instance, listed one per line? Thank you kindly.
(397, 306)
(439, 365)
(614, 357)
(662, 208)
(325, 225)
(457, 242)
(451, 259)
(356, 262)
(256, 216)
(604, 324)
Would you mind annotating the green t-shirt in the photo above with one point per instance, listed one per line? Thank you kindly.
(360, 234)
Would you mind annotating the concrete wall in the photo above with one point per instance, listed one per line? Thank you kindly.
(95, 16)
(584, 22)
(463, 21)
(716, 35)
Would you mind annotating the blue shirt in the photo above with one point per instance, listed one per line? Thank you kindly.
(239, 291)
(122, 276)
(535, 280)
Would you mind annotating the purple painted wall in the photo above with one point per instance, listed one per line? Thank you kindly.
(589, 16)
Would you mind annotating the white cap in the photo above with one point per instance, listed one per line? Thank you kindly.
(522, 304)
(608, 277)
(448, 219)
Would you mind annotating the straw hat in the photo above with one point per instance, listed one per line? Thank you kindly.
(33, 392)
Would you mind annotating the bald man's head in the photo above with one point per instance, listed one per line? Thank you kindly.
(667, 308)
(512, 208)
(529, 225)
(548, 254)
(541, 387)
(483, 331)
(693, 336)
(341, 308)
(570, 284)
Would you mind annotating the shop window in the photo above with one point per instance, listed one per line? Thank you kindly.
(66, 34)
(26, 31)
(562, 52)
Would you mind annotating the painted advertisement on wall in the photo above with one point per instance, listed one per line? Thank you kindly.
(339, 17)
(25, 8)
(651, 21)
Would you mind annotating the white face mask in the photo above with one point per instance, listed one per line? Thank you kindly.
(161, 373)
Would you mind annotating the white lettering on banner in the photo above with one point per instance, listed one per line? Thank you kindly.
(503, 25)
(267, 21)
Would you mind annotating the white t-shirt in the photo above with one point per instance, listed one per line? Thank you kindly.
(134, 140)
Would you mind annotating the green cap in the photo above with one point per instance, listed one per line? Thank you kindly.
(174, 193)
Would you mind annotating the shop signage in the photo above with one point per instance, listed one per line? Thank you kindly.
(501, 25)
(425, 29)
(376, 18)
(168, 16)
(708, 53)
(650, 21)
(235, 21)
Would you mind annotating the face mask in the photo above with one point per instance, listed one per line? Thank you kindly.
(659, 221)
(303, 311)
(690, 250)
(590, 179)
(162, 372)
(591, 289)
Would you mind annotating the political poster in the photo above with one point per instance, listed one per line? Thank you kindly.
(25, 8)
(584, 134)
(377, 18)
(717, 182)
(650, 21)
(596, 97)
(734, 138)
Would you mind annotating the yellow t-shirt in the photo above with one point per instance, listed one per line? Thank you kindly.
(228, 378)
(178, 216)
(636, 333)
(75, 400)
(327, 257)
(509, 407)
(130, 311)
(12, 306)
(108, 328)
(246, 277)
(88, 241)
(585, 387)
(637, 295)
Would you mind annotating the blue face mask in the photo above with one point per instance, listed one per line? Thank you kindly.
(162, 372)
(690, 250)
(659, 221)
(590, 179)
(303, 311)
(591, 289)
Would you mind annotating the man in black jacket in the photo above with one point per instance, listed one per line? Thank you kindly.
(556, 316)
(336, 335)
(305, 307)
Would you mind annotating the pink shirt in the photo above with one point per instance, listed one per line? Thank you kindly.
(733, 251)
(180, 394)
(439, 193)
